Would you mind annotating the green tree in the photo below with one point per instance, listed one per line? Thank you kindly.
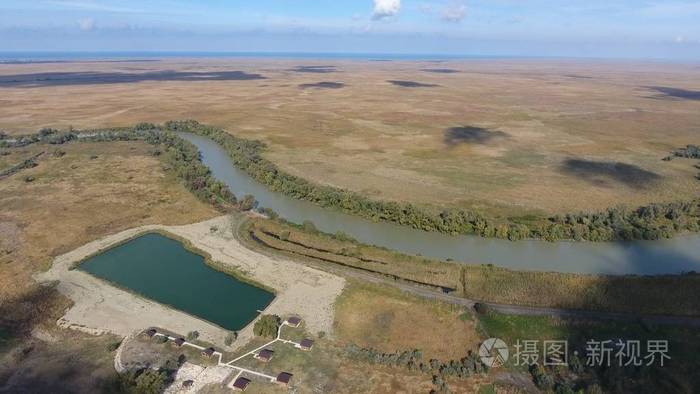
(145, 381)
(267, 326)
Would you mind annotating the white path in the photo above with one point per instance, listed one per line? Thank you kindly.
(230, 364)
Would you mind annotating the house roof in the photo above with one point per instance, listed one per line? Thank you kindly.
(265, 354)
(180, 341)
(241, 383)
(284, 377)
(209, 351)
(151, 332)
(294, 320)
(306, 343)
(187, 383)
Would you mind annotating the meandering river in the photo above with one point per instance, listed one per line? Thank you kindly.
(672, 256)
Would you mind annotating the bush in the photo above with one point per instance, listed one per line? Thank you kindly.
(481, 309)
(267, 326)
(541, 378)
(113, 346)
(247, 203)
(269, 212)
(192, 335)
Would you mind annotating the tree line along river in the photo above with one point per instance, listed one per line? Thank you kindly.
(667, 256)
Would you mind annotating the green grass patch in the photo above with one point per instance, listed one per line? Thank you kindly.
(487, 389)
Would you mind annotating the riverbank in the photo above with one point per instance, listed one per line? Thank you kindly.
(100, 307)
(648, 295)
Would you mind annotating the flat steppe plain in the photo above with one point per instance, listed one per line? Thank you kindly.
(508, 137)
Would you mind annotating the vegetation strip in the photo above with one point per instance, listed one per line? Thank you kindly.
(28, 163)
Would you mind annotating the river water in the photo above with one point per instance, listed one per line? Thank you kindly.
(672, 256)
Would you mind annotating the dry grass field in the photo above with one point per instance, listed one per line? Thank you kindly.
(389, 320)
(93, 190)
(504, 136)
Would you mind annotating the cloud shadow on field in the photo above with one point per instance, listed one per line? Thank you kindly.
(675, 93)
(314, 69)
(412, 84)
(100, 78)
(601, 173)
(322, 85)
(576, 76)
(471, 135)
(440, 70)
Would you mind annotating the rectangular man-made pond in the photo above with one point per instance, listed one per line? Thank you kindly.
(163, 270)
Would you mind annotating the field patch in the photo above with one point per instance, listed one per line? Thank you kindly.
(412, 84)
(314, 69)
(322, 85)
(389, 320)
(471, 135)
(440, 70)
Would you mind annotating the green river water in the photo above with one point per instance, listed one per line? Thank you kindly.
(163, 270)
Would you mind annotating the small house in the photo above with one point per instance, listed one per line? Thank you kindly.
(187, 384)
(293, 321)
(208, 352)
(241, 384)
(306, 344)
(151, 333)
(179, 342)
(264, 355)
(284, 378)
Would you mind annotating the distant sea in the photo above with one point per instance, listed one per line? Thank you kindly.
(38, 57)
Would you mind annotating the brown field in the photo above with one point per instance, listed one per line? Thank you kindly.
(505, 136)
(93, 190)
(389, 320)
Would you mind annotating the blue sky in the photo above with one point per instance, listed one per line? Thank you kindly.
(594, 28)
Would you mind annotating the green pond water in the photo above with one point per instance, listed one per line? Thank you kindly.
(163, 270)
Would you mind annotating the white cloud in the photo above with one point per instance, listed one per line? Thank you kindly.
(86, 24)
(385, 8)
(454, 13)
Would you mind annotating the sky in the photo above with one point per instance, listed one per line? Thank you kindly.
(653, 29)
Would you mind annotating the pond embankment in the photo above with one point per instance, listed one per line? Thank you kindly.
(102, 307)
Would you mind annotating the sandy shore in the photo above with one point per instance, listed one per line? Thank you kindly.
(100, 307)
